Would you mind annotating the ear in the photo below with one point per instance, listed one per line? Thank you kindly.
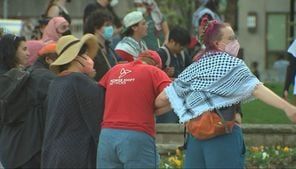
(135, 28)
(48, 60)
(97, 31)
(216, 44)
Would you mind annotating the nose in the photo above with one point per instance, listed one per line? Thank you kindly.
(28, 53)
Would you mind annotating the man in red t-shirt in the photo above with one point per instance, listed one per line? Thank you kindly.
(128, 127)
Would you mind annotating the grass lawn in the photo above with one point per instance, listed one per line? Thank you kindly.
(258, 112)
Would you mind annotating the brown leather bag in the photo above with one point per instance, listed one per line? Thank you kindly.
(210, 124)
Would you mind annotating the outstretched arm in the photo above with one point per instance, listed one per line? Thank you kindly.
(166, 31)
(269, 97)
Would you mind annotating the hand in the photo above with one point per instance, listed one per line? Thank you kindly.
(291, 113)
(170, 71)
(285, 94)
(92, 74)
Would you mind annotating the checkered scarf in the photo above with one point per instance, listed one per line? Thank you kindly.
(217, 80)
(131, 46)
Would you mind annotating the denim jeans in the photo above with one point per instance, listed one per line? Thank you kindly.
(126, 149)
(226, 151)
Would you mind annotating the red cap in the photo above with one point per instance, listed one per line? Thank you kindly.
(153, 55)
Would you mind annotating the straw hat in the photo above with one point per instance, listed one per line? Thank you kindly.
(69, 46)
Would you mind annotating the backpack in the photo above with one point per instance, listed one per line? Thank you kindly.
(13, 95)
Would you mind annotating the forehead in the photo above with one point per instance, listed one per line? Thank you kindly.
(143, 21)
(23, 44)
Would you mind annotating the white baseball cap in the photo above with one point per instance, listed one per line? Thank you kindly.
(132, 18)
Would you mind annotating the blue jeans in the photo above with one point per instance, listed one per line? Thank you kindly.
(126, 149)
(226, 151)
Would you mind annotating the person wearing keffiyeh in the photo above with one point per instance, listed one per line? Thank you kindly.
(132, 44)
(217, 79)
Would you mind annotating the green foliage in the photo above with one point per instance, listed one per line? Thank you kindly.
(271, 157)
(256, 157)
(177, 12)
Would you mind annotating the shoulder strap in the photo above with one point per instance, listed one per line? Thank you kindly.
(219, 114)
(183, 55)
(168, 61)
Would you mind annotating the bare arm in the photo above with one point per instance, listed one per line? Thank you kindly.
(266, 95)
(166, 31)
(163, 110)
(53, 11)
(162, 104)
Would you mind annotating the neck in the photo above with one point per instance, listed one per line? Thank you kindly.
(100, 38)
(73, 68)
(101, 3)
(137, 37)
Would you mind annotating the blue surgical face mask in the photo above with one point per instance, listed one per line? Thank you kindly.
(108, 32)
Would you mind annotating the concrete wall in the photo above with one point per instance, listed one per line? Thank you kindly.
(171, 136)
(254, 44)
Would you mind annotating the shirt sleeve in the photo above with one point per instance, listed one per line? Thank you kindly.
(104, 80)
(160, 80)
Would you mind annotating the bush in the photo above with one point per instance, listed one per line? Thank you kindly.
(256, 157)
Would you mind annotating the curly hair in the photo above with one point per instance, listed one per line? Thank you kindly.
(96, 20)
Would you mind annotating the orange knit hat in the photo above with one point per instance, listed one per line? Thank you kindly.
(49, 48)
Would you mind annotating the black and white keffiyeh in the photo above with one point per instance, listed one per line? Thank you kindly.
(217, 80)
(131, 46)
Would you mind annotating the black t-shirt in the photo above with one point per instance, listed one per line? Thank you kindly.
(291, 72)
(179, 62)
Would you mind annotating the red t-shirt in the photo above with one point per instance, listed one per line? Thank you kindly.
(131, 89)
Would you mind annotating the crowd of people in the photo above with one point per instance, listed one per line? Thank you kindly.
(93, 102)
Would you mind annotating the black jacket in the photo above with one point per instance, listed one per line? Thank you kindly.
(75, 110)
(21, 141)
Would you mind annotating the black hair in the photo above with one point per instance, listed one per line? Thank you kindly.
(42, 58)
(8, 47)
(213, 5)
(83, 49)
(180, 35)
(129, 31)
(96, 20)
